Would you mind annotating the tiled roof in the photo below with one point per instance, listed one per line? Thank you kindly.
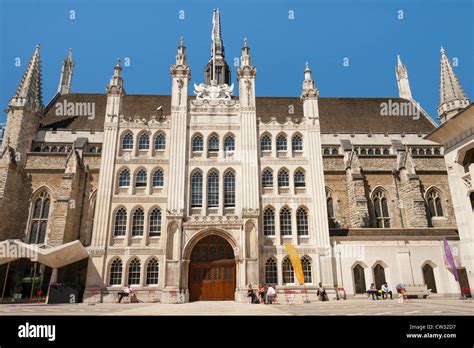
(337, 115)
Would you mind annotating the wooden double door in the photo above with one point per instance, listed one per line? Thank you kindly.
(212, 270)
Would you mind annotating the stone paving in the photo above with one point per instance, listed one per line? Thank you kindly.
(352, 307)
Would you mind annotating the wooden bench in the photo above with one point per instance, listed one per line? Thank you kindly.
(417, 291)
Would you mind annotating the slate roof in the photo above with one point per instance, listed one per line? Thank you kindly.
(337, 115)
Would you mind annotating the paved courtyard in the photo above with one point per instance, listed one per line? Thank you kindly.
(353, 307)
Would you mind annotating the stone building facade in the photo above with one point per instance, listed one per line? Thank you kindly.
(178, 193)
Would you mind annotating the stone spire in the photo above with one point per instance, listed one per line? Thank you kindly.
(401, 72)
(451, 95)
(309, 90)
(66, 74)
(181, 58)
(217, 68)
(29, 91)
(116, 81)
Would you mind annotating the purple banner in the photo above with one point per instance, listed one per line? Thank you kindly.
(450, 259)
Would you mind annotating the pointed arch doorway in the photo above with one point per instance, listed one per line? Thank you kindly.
(212, 270)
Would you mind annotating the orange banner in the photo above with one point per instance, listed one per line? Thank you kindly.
(296, 262)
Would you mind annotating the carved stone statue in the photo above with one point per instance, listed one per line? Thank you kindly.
(213, 91)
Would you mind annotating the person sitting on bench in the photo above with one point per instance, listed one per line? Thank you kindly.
(271, 295)
(125, 293)
(251, 294)
(322, 293)
(374, 292)
(386, 290)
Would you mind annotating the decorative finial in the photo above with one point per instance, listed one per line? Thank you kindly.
(181, 41)
(245, 42)
(307, 67)
(442, 50)
(118, 62)
(38, 46)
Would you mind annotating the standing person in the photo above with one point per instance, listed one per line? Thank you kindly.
(271, 295)
(322, 293)
(125, 293)
(386, 290)
(261, 293)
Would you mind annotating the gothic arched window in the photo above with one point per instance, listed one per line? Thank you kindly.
(198, 143)
(269, 222)
(196, 189)
(160, 142)
(213, 189)
(283, 178)
(154, 226)
(288, 272)
(299, 178)
(141, 178)
(134, 272)
(152, 272)
(213, 143)
(285, 222)
(144, 142)
(138, 222)
(120, 226)
(39, 220)
(380, 203)
(306, 265)
(435, 207)
(271, 272)
(127, 141)
(124, 178)
(267, 178)
(158, 178)
(229, 143)
(229, 189)
(266, 143)
(297, 142)
(281, 144)
(302, 222)
(115, 277)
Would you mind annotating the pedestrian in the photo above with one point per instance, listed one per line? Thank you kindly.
(271, 295)
(251, 294)
(261, 293)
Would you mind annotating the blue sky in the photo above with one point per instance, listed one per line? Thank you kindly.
(368, 32)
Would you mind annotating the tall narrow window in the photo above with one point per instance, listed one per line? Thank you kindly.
(196, 189)
(330, 209)
(127, 141)
(39, 221)
(288, 272)
(229, 143)
(155, 222)
(138, 222)
(271, 272)
(213, 143)
(213, 189)
(229, 189)
(306, 265)
(302, 222)
(144, 142)
(120, 226)
(267, 178)
(297, 143)
(299, 178)
(198, 144)
(141, 178)
(381, 209)
(283, 178)
(285, 222)
(266, 143)
(115, 272)
(158, 178)
(281, 144)
(160, 142)
(124, 178)
(435, 206)
(134, 272)
(152, 272)
(269, 222)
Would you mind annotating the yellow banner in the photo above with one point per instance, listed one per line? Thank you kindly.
(296, 262)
